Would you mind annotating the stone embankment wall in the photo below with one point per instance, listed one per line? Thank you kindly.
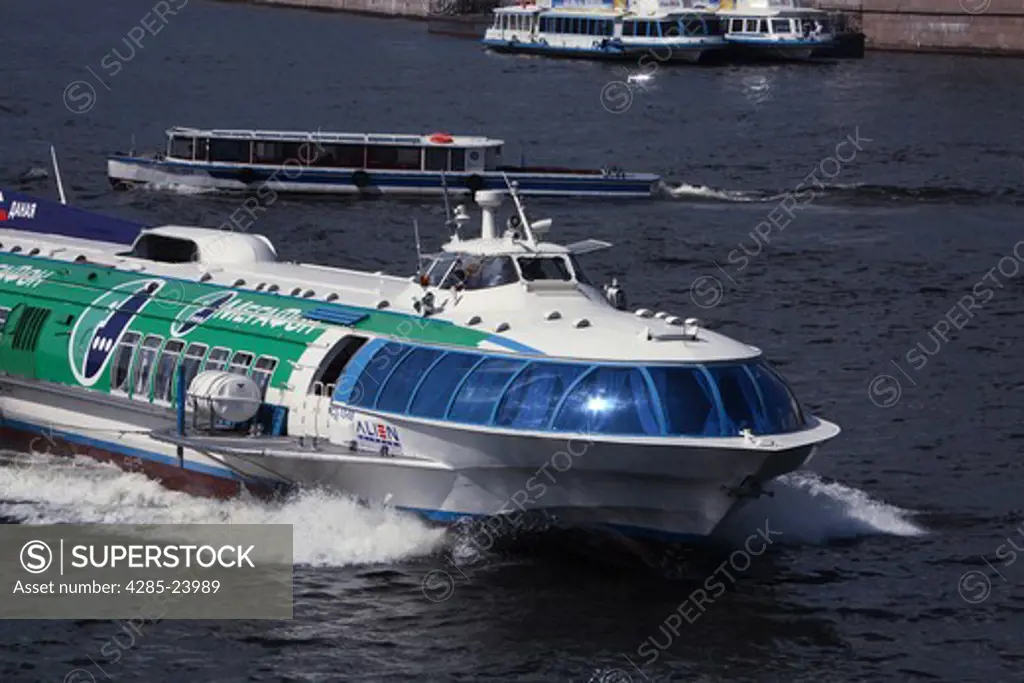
(968, 26)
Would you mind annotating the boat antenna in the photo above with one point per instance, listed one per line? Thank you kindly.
(419, 255)
(56, 174)
(447, 205)
(514, 191)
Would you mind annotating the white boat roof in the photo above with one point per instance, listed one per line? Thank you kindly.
(559, 319)
(419, 140)
(769, 8)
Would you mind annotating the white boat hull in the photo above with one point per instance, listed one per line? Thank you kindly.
(210, 177)
(666, 493)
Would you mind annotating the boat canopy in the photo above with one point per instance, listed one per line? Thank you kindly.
(430, 152)
(562, 395)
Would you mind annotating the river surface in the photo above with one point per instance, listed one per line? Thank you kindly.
(890, 558)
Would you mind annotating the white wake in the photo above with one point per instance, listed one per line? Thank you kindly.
(329, 529)
(806, 509)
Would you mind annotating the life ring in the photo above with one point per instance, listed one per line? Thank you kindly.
(475, 183)
(441, 139)
(360, 179)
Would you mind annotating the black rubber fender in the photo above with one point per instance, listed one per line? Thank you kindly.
(475, 183)
(361, 179)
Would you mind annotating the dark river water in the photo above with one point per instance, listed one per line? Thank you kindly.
(894, 561)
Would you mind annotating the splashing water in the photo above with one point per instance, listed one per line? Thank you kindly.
(807, 509)
(685, 191)
(330, 529)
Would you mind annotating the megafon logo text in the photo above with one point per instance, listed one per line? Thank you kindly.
(101, 327)
(201, 310)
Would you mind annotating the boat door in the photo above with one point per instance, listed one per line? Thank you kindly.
(19, 338)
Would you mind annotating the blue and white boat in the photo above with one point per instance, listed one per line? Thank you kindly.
(776, 29)
(361, 164)
(666, 30)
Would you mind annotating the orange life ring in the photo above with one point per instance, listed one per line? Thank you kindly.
(442, 138)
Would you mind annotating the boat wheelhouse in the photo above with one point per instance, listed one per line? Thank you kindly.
(670, 30)
(498, 380)
(364, 164)
(779, 29)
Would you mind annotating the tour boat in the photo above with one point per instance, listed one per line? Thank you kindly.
(664, 30)
(778, 29)
(496, 382)
(351, 163)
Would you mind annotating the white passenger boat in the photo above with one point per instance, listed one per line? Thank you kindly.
(779, 29)
(346, 163)
(498, 381)
(664, 30)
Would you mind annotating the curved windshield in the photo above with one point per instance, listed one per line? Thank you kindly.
(467, 271)
(544, 268)
(712, 400)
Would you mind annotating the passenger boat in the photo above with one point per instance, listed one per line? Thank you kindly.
(665, 30)
(348, 163)
(498, 381)
(776, 29)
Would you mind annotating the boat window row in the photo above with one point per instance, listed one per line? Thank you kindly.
(711, 400)
(472, 271)
(513, 22)
(358, 156)
(778, 26)
(577, 25)
(145, 367)
(651, 29)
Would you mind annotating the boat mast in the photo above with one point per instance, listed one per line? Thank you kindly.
(56, 174)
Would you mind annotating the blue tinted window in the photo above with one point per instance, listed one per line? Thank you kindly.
(432, 397)
(609, 401)
(782, 412)
(688, 401)
(531, 400)
(476, 399)
(375, 373)
(396, 392)
(739, 399)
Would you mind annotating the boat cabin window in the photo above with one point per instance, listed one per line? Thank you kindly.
(391, 157)
(233, 151)
(4, 312)
(194, 355)
(263, 371)
(544, 268)
(279, 152)
(714, 26)
(217, 359)
(763, 26)
(751, 26)
(340, 156)
(780, 26)
(123, 361)
(240, 363)
(669, 29)
(436, 159)
(162, 385)
(693, 27)
(471, 272)
(458, 159)
(143, 368)
(736, 26)
(181, 148)
(153, 247)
